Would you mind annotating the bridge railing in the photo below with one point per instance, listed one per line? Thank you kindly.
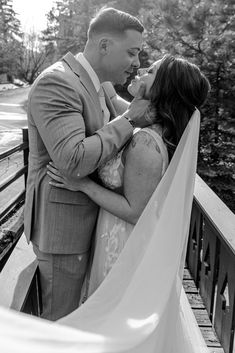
(13, 207)
(210, 255)
(211, 260)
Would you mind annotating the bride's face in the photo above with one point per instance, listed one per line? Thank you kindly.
(146, 75)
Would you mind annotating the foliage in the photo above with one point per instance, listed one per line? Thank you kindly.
(68, 23)
(10, 38)
(9, 25)
(21, 54)
(33, 57)
(202, 31)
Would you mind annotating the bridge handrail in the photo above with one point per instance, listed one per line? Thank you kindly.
(211, 259)
(15, 204)
(220, 216)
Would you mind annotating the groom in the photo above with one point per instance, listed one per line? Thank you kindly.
(66, 125)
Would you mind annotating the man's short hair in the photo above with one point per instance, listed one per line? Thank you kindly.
(113, 21)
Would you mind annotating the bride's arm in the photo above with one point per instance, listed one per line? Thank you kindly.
(142, 173)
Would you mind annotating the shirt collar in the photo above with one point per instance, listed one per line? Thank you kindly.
(87, 66)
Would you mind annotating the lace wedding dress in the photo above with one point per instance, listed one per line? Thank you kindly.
(112, 232)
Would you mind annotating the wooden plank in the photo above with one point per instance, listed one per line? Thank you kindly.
(18, 268)
(224, 318)
(13, 150)
(15, 228)
(216, 350)
(14, 176)
(12, 203)
(195, 301)
(202, 317)
(201, 314)
(189, 286)
(210, 337)
(208, 333)
(187, 274)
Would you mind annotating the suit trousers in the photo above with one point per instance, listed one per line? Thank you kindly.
(61, 279)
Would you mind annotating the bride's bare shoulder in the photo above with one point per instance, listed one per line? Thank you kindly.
(144, 138)
(143, 150)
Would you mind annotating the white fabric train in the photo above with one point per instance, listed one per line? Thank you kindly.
(139, 308)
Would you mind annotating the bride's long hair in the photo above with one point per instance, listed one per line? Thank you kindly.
(179, 87)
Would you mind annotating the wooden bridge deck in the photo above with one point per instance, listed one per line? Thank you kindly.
(201, 314)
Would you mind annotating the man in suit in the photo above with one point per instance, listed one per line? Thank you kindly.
(66, 125)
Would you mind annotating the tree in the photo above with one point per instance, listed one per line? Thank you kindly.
(10, 39)
(33, 58)
(68, 23)
(202, 31)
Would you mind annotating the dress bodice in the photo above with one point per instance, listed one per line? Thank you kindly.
(111, 172)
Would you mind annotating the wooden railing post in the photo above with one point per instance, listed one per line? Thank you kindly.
(195, 243)
(224, 319)
(26, 151)
(209, 267)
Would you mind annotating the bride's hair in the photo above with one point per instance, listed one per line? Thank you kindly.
(179, 87)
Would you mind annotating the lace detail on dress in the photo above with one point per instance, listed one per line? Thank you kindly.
(113, 239)
(110, 173)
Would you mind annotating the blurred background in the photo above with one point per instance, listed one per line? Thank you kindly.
(35, 34)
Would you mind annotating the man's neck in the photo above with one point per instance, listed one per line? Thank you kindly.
(94, 62)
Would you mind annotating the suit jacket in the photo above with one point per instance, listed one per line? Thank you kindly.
(66, 126)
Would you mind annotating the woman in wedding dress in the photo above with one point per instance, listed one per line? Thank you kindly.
(175, 88)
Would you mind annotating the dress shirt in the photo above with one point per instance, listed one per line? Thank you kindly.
(96, 82)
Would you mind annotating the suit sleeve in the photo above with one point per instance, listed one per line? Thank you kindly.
(57, 111)
(119, 104)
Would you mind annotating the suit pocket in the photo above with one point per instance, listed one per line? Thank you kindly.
(68, 197)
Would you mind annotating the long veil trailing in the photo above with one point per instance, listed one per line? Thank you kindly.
(140, 306)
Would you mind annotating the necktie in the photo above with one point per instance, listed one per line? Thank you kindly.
(105, 111)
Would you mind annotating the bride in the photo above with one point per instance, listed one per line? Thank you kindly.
(175, 87)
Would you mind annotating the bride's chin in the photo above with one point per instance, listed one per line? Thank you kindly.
(131, 90)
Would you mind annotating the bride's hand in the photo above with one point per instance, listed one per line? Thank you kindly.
(61, 181)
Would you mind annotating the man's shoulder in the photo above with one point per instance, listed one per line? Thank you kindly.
(58, 68)
(57, 72)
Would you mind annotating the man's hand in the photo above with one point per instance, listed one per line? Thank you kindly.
(139, 109)
(63, 182)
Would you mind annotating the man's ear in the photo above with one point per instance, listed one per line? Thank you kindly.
(104, 44)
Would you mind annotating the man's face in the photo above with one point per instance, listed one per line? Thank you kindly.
(121, 57)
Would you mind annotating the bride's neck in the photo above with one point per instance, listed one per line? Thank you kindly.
(157, 128)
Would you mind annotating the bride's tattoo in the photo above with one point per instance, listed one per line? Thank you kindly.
(144, 138)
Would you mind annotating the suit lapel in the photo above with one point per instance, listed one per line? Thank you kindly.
(84, 78)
